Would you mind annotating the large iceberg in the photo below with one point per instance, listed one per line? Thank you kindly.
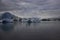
(7, 17)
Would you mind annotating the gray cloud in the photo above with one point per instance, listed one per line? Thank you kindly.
(41, 4)
(30, 8)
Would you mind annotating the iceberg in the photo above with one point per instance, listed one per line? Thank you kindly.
(32, 20)
(7, 17)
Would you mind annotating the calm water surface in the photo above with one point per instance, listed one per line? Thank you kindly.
(32, 31)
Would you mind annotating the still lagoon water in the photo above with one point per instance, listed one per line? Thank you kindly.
(33, 31)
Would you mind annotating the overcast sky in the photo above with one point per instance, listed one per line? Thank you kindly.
(32, 8)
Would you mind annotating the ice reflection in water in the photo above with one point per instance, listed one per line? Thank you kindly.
(28, 24)
(6, 27)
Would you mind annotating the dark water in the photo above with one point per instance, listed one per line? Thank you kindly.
(32, 31)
